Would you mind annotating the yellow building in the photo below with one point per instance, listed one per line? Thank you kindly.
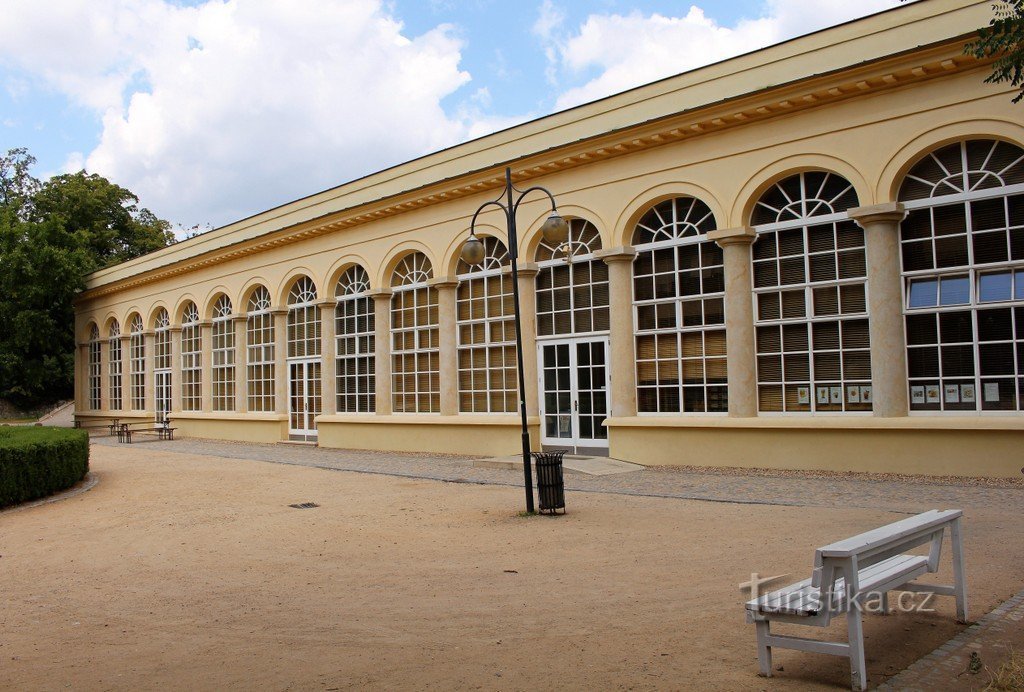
(810, 256)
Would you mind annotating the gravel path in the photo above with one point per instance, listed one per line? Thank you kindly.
(811, 489)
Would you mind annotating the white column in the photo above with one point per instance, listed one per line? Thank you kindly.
(382, 349)
(527, 272)
(620, 306)
(447, 344)
(739, 319)
(328, 357)
(881, 224)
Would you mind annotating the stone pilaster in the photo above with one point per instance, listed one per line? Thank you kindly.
(527, 272)
(280, 359)
(447, 343)
(382, 349)
(206, 373)
(623, 352)
(329, 362)
(739, 319)
(881, 224)
(176, 369)
(238, 323)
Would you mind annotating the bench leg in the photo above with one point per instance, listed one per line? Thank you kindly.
(855, 633)
(959, 578)
(764, 652)
(884, 603)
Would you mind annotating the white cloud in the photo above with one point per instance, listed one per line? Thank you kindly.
(214, 112)
(627, 50)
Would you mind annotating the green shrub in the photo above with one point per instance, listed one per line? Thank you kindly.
(37, 461)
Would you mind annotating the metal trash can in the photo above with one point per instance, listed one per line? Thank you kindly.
(550, 484)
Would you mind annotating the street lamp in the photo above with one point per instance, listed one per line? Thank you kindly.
(555, 231)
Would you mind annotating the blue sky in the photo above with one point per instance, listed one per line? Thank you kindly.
(211, 110)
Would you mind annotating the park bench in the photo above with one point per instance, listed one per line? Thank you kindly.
(162, 428)
(848, 573)
(94, 423)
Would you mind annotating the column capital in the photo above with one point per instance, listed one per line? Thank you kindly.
(205, 324)
(326, 304)
(892, 212)
(523, 269)
(125, 338)
(443, 282)
(239, 317)
(174, 329)
(733, 236)
(381, 294)
(148, 332)
(279, 310)
(623, 253)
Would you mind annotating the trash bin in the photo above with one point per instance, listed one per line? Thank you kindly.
(550, 484)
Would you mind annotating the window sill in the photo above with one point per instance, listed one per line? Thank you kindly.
(824, 422)
(426, 419)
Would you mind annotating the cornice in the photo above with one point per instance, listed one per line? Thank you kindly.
(876, 76)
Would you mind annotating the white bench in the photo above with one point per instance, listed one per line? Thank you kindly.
(848, 572)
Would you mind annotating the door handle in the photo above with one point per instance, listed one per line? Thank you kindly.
(575, 405)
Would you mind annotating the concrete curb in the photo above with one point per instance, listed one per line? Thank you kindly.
(82, 486)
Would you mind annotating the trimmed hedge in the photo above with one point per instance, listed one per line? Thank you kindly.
(37, 461)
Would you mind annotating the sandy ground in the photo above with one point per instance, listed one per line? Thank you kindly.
(184, 571)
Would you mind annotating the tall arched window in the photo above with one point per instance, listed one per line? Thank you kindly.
(813, 350)
(162, 363)
(963, 269)
(572, 296)
(114, 366)
(223, 335)
(678, 294)
(415, 355)
(304, 346)
(95, 368)
(486, 333)
(355, 326)
(259, 332)
(137, 363)
(191, 359)
(572, 329)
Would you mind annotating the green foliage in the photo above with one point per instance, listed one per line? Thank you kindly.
(1003, 39)
(37, 461)
(52, 234)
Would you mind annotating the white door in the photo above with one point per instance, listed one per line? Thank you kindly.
(574, 385)
(162, 383)
(303, 398)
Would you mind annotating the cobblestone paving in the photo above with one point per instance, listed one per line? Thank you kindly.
(948, 667)
(794, 490)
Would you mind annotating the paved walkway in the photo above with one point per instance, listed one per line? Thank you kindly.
(801, 490)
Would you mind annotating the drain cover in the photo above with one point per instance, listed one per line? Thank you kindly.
(304, 505)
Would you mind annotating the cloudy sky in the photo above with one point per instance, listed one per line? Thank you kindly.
(212, 110)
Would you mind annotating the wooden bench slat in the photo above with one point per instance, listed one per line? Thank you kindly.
(890, 533)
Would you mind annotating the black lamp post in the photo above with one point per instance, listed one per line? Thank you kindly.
(555, 231)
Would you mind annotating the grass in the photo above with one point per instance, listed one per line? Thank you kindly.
(1009, 676)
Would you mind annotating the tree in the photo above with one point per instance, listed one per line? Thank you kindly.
(52, 234)
(1003, 40)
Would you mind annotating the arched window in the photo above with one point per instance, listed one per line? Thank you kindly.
(191, 359)
(572, 286)
(223, 335)
(355, 326)
(813, 350)
(114, 366)
(95, 368)
(678, 294)
(162, 364)
(305, 337)
(415, 355)
(137, 363)
(486, 333)
(963, 269)
(259, 331)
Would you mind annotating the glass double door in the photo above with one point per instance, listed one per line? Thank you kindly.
(304, 395)
(574, 385)
(162, 387)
